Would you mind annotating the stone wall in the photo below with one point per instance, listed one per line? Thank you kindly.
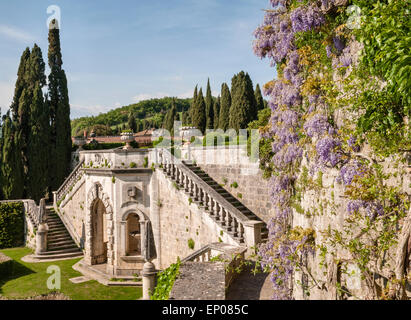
(73, 212)
(327, 207)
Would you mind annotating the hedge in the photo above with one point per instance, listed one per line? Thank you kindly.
(11, 224)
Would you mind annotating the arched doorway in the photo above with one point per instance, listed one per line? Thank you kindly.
(98, 233)
(133, 246)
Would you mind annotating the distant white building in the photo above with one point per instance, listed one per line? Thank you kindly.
(187, 132)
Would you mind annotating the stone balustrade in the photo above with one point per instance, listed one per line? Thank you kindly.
(69, 183)
(219, 209)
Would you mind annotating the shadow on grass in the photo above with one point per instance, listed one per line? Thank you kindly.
(15, 271)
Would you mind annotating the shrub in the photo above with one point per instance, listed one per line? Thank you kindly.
(234, 185)
(191, 243)
(133, 165)
(165, 281)
(11, 224)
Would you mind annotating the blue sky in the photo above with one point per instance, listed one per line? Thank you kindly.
(119, 52)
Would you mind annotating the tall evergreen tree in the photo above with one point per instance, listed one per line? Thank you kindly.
(259, 98)
(224, 118)
(20, 83)
(184, 119)
(243, 107)
(209, 107)
(216, 107)
(170, 118)
(132, 123)
(37, 181)
(199, 113)
(192, 107)
(11, 164)
(59, 110)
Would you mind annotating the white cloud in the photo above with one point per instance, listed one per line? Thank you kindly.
(159, 95)
(15, 34)
(147, 96)
(84, 110)
(6, 95)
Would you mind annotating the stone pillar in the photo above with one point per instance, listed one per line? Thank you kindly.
(123, 238)
(252, 234)
(41, 238)
(55, 198)
(149, 278)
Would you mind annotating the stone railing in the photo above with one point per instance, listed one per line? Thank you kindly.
(208, 273)
(239, 226)
(219, 250)
(68, 185)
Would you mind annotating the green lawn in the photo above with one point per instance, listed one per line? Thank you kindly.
(30, 279)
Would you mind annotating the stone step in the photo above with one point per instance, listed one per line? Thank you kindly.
(125, 284)
(73, 255)
(52, 235)
(55, 224)
(59, 228)
(53, 241)
(53, 252)
(71, 245)
(61, 242)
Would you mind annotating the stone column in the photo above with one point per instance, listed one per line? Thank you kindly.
(252, 234)
(41, 238)
(149, 276)
(123, 237)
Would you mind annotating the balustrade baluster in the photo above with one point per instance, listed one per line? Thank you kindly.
(186, 183)
(223, 217)
(229, 221)
(241, 232)
(206, 200)
(218, 212)
(235, 227)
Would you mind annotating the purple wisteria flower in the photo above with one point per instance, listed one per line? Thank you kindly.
(327, 151)
(371, 208)
(353, 144)
(328, 50)
(306, 18)
(338, 44)
(349, 171)
(316, 125)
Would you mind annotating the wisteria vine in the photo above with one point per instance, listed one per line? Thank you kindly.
(275, 40)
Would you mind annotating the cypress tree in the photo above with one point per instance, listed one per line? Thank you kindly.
(59, 110)
(11, 164)
(170, 117)
(20, 83)
(216, 107)
(243, 107)
(259, 98)
(223, 121)
(185, 118)
(39, 129)
(192, 107)
(199, 113)
(209, 107)
(132, 123)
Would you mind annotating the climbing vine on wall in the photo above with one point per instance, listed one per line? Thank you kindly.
(335, 92)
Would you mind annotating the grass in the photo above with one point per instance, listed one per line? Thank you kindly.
(30, 279)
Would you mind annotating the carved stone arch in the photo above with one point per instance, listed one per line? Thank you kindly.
(96, 193)
(146, 236)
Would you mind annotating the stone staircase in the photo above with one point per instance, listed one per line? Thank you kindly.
(60, 245)
(228, 196)
(226, 210)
